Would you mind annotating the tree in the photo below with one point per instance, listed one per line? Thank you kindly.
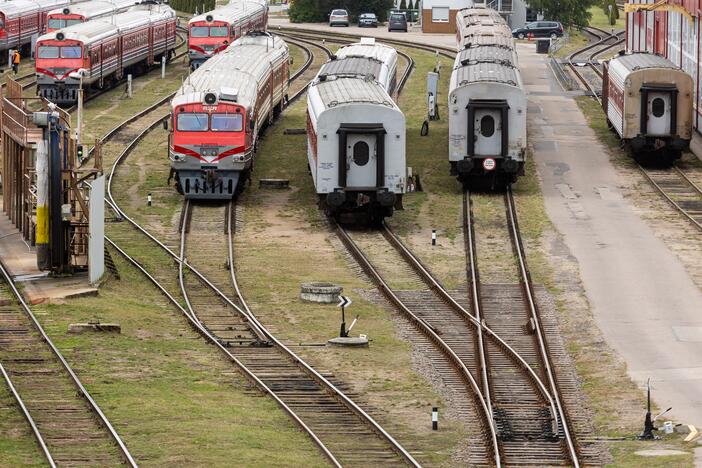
(568, 12)
(403, 5)
(410, 5)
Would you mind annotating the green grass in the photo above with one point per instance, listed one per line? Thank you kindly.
(173, 398)
(17, 444)
(284, 243)
(599, 19)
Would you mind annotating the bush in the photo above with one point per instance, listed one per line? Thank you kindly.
(190, 6)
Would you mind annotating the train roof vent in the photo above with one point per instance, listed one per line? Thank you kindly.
(368, 41)
(228, 94)
(210, 98)
(60, 36)
(66, 11)
(209, 18)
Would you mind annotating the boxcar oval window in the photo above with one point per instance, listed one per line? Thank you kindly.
(361, 153)
(658, 107)
(487, 126)
(48, 52)
(192, 122)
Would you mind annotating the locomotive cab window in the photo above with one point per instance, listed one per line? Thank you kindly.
(227, 122)
(71, 22)
(48, 52)
(658, 107)
(71, 52)
(219, 31)
(56, 23)
(192, 122)
(199, 31)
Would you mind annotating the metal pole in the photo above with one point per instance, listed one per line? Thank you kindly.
(129, 86)
(42, 229)
(342, 331)
(163, 67)
(79, 131)
(55, 200)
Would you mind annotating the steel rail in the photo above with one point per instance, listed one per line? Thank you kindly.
(572, 57)
(214, 341)
(428, 330)
(529, 295)
(28, 417)
(448, 298)
(670, 199)
(252, 320)
(74, 378)
(472, 265)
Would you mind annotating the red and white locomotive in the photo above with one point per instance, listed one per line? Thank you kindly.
(77, 13)
(212, 32)
(22, 19)
(103, 50)
(219, 111)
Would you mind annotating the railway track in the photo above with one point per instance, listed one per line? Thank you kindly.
(604, 42)
(678, 189)
(339, 427)
(69, 426)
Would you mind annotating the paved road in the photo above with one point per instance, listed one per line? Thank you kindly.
(414, 33)
(648, 308)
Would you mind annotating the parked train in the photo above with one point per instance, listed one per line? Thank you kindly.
(648, 101)
(356, 134)
(487, 103)
(219, 111)
(77, 13)
(20, 20)
(212, 32)
(103, 51)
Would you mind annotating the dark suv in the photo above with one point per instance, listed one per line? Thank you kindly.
(552, 29)
(397, 22)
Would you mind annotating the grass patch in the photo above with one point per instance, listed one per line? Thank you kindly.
(171, 396)
(17, 444)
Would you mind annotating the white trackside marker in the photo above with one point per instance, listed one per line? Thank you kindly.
(433, 237)
(148, 199)
(435, 418)
(489, 164)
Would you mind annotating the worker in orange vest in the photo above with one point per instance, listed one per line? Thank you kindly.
(16, 61)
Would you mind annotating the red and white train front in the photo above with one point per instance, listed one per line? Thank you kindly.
(20, 20)
(212, 32)
(58, 59)
(85, 11)
(217, 113)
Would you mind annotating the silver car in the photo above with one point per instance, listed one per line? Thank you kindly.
(339, 18)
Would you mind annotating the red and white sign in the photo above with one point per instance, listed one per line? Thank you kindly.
(489, 164)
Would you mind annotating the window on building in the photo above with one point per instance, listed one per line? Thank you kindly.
(440, 14)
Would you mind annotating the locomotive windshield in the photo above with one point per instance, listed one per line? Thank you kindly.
(192, 122)
(199, 31)
(71, 52)
(48, 52)
(227, 122)
(55, 23)
(219, 31)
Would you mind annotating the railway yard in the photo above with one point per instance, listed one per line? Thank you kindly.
(530, 315)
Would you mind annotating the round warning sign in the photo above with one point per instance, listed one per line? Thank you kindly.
(489, 164)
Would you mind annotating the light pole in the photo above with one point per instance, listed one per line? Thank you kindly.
(78, 75)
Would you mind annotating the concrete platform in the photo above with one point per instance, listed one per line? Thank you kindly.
(21, 263)
(642, 298)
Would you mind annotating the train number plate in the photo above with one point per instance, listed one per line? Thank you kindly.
(489, 164)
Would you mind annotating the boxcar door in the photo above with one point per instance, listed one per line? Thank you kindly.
(361, 160)
(659, 113)
(487, 132)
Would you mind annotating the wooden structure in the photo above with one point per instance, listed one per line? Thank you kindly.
(20, 139)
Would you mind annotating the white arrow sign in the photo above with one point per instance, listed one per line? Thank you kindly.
(344, 301)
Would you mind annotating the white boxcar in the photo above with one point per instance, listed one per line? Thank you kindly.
(648, 101)
(356, 138)
(487, 116)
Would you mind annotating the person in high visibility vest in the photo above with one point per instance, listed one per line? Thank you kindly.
(16, 61)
